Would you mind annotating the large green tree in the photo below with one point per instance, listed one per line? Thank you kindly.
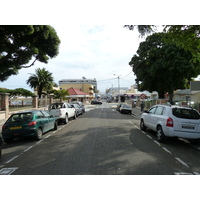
(183, 36)
(42, 80)
(21, 46)
(163, 67)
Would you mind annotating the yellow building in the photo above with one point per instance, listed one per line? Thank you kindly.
(86, 85)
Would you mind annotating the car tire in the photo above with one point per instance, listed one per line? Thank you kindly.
(66, 120)
(39, 134)
(142, 125)
(160, 135)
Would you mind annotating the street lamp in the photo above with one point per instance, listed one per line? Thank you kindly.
(118, 86)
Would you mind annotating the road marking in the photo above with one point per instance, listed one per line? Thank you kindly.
(149, 136)
(12, 159)
(157, 143)
(167, 150)
(39, 141)
(8, 171)
(183, 173)
(182, 162)
(28, 148)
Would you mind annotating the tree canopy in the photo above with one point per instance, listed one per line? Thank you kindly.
(17, 92)
(163, 67)
(61, 93)
(42, 80)
(183, 36)
(21, 46)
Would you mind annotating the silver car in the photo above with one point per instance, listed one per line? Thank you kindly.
(172, 121)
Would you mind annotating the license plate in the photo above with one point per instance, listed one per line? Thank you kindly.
(188, 127)
(16, 127)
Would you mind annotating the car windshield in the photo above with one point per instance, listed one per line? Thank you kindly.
(21, 117)
(185, 113)
(126, 106)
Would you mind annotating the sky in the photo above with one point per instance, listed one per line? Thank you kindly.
(92, 51)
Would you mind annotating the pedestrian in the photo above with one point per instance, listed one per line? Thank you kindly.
(142, 106)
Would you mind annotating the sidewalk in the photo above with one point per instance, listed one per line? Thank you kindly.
(136, 112)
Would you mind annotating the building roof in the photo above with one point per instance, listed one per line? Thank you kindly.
(75, 91)
(185, 92)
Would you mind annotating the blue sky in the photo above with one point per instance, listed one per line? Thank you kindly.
(93, 51)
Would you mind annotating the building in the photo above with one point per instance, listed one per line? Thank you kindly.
(88, 86)
(78, 95)
(186, 95)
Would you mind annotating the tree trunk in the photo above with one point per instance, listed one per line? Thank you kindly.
(171, 95)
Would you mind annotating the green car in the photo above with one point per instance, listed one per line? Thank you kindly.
(28, 124)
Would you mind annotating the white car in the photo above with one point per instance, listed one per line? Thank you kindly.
(172, 121)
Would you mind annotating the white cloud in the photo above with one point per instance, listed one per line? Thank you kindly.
(93, 51)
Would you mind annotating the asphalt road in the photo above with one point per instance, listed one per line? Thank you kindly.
(100, 142)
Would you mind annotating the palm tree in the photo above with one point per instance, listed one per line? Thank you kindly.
(42, 80)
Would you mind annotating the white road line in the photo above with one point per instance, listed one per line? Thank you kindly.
(168, 151)
(182, 162)
(8, 171)
(183, 173)
(12, 159)
(39, 141)
(149, 136)
(157, 143)
(28, 148)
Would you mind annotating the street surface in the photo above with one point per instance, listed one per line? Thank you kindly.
(100, 142)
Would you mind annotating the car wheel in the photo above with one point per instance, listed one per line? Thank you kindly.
(66, 119)
(160, 135)
(142, 125)
(39, 134)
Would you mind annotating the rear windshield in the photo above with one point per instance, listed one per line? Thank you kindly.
(185, 113)
(21, 117)
(57, 106)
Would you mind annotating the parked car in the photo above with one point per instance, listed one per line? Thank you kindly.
(62, 111)
(95, 102)
(79, 110)
(80, 104)
(118, 107)
(125, 108)
(172, 121)
(1, 144)
(29, 123)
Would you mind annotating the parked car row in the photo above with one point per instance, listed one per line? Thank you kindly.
(34, 123)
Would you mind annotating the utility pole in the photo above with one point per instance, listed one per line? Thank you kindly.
(118, 87)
